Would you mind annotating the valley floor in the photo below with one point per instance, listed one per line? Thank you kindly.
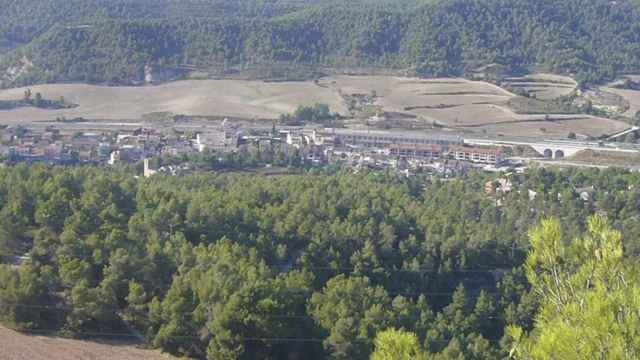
(456, 104)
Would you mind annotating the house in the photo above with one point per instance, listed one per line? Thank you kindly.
(295, 138)
(53, 152)
(381, 139)
(125, 153)
(86, 141)
(416, 151)
(221, 141)
(476, 154)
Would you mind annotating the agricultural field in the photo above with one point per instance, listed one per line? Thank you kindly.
(453, 103)
(606, 157)
(439, 100)
(632, 97)
(472, 106)
(233, 98)
(543, 86)
(559, 126)
(17, 346)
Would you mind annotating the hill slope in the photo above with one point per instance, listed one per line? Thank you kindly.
(593, 39)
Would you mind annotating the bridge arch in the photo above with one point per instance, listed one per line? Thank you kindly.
(558, 154)
(548, 153)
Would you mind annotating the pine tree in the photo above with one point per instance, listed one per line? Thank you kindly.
(590, 295)
(397, 345)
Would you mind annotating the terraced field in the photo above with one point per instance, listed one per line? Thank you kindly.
(458, 104)
(632, 97)
(472, 106)
(543, 86)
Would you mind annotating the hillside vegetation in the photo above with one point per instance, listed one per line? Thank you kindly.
(593, 39)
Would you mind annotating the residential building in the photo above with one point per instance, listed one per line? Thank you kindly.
(381, 139)
(476, 154)
(416, 151)
(216, 141)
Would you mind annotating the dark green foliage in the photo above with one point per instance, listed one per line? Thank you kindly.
(231, 266)
(318, 113)
(25, 295)
(593, 39)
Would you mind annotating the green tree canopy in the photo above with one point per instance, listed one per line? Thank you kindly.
(590, 296)
(397, 345)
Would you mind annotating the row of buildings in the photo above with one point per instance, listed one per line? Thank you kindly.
(51, 145)
(431, 147)
(317, 145)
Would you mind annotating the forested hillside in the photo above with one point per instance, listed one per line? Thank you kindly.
(21, 21)
(232, 266)
(593, 39)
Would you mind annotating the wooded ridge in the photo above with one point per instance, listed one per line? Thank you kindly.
(112, 41)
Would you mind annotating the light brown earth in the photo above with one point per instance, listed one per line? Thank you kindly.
(536, 127)
(17, 346)
(545, 86)
(607, 157)
(631, 96)
(456, 103)
(234, 98)
(472, 105)
(458, 98)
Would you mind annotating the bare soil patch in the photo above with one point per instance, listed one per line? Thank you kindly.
(18, 346)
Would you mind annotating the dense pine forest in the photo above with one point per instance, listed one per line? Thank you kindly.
(314, 266)
(112, 41)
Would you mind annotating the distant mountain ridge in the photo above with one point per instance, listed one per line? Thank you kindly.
(594, 40)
